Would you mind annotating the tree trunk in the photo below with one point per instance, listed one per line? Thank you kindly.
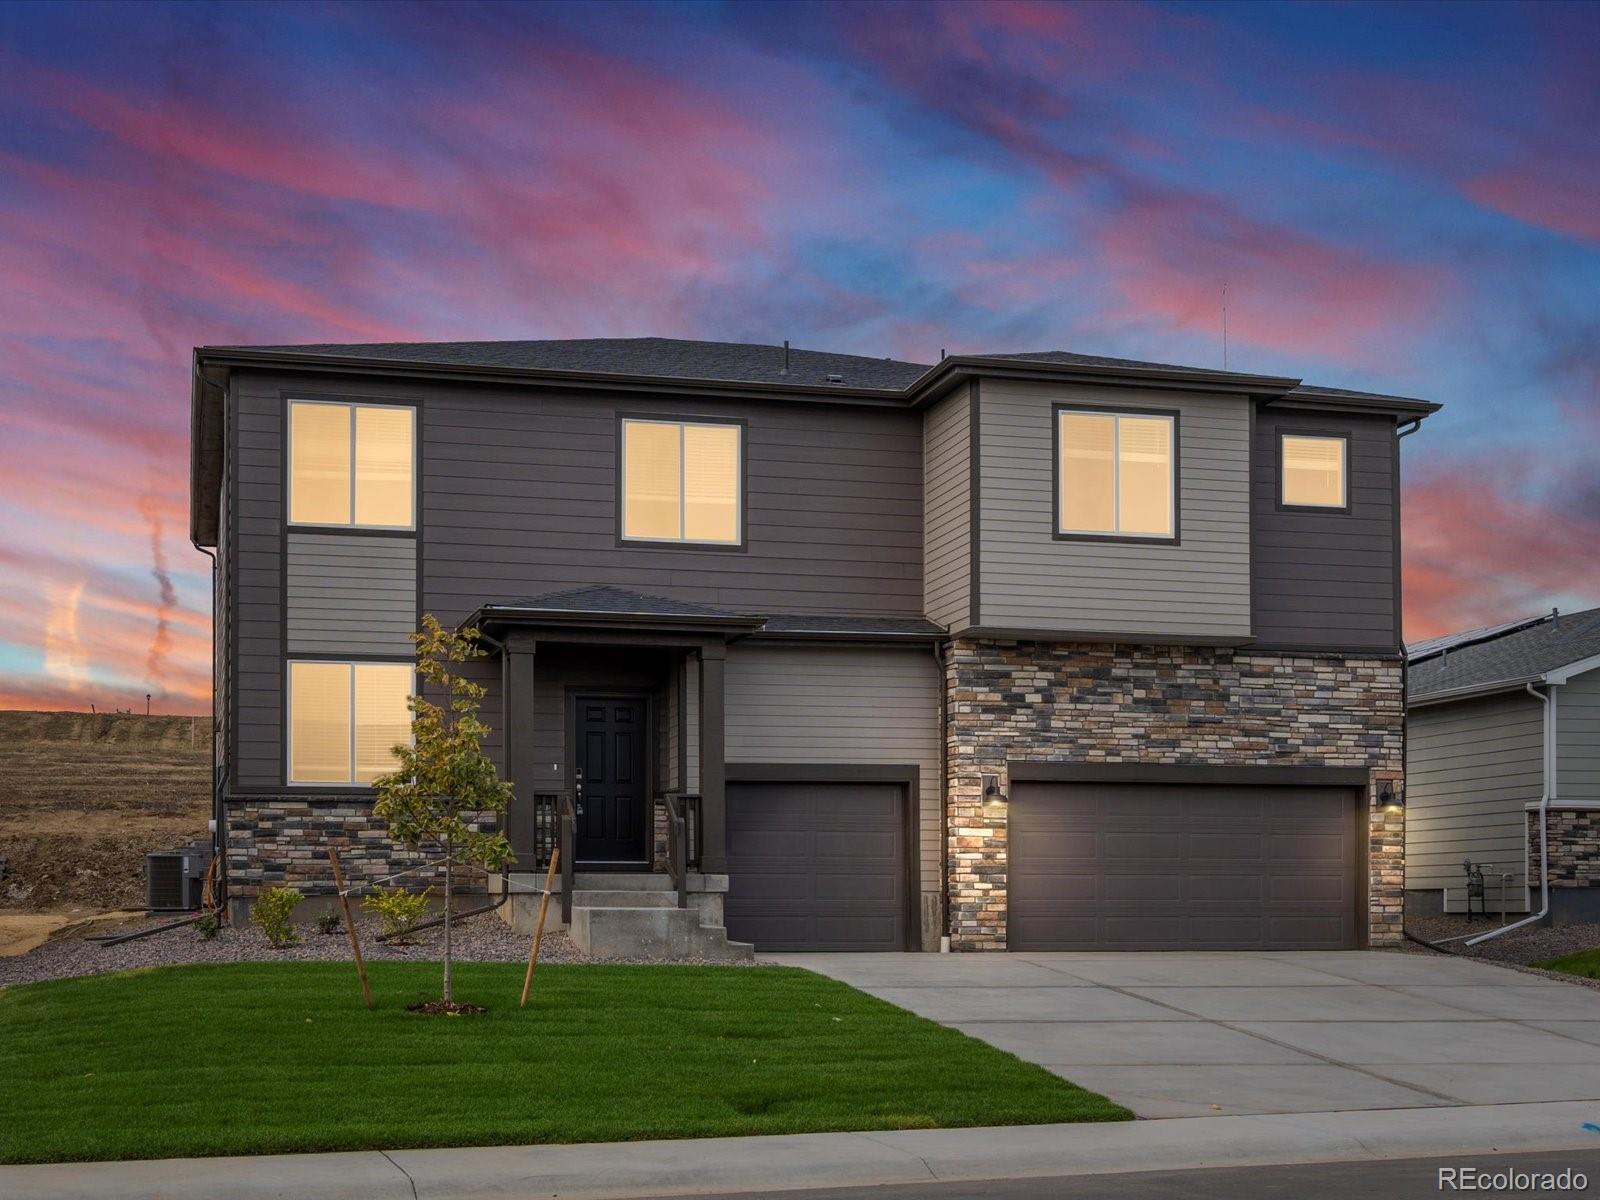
(447, 865)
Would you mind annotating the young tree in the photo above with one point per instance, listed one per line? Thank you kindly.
(444, 780)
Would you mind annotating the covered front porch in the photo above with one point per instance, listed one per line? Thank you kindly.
(613, 740)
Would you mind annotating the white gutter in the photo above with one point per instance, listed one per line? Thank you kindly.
(1549, 764)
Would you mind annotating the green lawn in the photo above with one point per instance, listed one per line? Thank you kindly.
(281, 1057)
(1584, 962)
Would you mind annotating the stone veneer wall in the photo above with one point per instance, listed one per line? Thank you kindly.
(1089, 703)
(1574, 851)
(285, 840)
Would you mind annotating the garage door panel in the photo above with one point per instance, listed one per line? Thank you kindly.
(1181, 867)
(1223, 889)
(817, 866)
(1143, 846)
(1143, 889)
(1223, 848)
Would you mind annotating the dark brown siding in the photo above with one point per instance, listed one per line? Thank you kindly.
(1325, 580)
(259, 582)
(519, 498)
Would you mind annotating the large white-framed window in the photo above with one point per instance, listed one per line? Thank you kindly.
(345, 719)
(681, 481)
(352, 465)
(1116, 474)
(1313, 471)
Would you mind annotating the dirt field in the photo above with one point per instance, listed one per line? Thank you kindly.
(84, 797)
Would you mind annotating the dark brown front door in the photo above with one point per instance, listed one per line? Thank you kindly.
(1132, 866)
(611, 740)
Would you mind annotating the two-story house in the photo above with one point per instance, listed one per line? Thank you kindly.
(1041, 651)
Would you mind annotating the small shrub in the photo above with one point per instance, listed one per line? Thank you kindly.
(328, 922)
(401, 911)
(273, 914)
(207, 926)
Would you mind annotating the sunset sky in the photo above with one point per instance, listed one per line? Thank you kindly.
(1401, 198)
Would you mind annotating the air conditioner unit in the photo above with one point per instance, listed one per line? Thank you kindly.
(175, 879)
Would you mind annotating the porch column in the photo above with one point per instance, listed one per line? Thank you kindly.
(713, 773)
(516, 738)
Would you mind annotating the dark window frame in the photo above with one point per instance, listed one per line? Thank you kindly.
(1330, 510)
(1056, 532)
(686, 545)
(291, 397)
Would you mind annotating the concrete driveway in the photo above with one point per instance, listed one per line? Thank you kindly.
(1173, 1035)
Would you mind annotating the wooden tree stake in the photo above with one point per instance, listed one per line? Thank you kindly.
(538, 929)
(350, 926)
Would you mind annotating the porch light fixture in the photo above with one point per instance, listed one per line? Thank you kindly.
(1389, 798)
(993, 797)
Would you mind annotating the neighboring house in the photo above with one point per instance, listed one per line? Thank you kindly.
(1495, 718)
(1040, 651)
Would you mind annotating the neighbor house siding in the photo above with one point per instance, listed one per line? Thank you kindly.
(351, 594)
(810, 704)
(1471, 766)
(1327, 580)
(258, 491)
(1578, 747)
(1199, 588)
(947, 510)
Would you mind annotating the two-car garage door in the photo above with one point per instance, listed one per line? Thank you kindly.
(1136, 866)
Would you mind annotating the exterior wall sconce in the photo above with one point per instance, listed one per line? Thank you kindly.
(993, 797)
(1391, 798)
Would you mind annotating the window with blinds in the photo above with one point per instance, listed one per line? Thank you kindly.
(1313, 471)
(345, 720)
(1115, 474)
(352, 464)
(681, 482)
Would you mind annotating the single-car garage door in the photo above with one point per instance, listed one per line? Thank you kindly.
(817, 866)
(1131, 866)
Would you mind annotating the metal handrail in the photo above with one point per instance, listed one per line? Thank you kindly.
(677, 848)
(568, 809)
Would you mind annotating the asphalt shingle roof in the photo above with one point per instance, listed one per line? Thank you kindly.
(1517, 656)
(669, 357)
(727, 362)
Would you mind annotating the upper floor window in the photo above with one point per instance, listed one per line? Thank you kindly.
(345, 719)
(681, 482)
(1312, 471)
(1115, 474)
(351, 464)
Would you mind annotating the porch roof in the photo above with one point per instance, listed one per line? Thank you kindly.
(606, 606)
(611, 607)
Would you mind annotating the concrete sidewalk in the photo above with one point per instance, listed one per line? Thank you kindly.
(771, 1164)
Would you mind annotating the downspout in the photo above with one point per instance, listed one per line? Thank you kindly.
(217, 822)
(1549, 765)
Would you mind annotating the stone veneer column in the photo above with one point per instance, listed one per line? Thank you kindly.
(1089, 703)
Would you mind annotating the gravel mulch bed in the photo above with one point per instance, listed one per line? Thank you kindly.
(484, 938)
(1518, 950)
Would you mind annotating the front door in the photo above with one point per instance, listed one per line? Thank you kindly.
(611, 740)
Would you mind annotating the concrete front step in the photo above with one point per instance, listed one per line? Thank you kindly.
(653, 933)
(622, 898)
(620, 881)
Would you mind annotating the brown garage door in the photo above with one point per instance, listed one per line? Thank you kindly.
(1127, 866)
(817, 866)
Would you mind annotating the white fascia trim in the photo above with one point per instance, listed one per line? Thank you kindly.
(1563, 674)
(1533, 805)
